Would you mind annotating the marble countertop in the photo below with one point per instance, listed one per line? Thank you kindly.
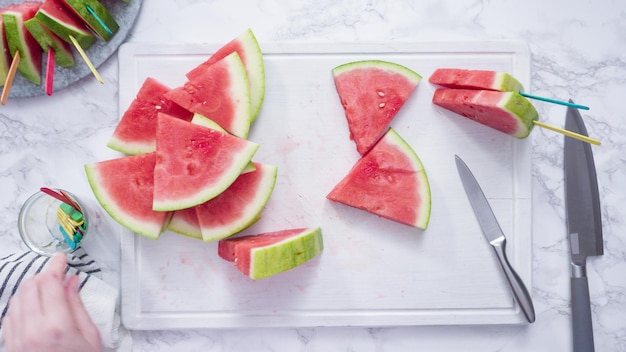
(577, 51)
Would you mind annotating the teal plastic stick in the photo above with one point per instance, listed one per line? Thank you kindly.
(582, 107)
(93, 13)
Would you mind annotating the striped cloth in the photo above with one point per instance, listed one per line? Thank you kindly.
(17, 267)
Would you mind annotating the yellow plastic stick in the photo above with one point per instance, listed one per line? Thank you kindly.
(87, 61)
(580, 137)
(10, 77)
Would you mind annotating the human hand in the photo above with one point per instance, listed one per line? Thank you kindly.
(47, 314)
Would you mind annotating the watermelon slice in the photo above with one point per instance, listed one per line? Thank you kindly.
(220, 93)
(239, 205)
(100, 20)
(136, 131)
(19, 39)
(62, 22)
(247, 47)
(268, 254)
(48, 40)
(475, 79)
(507, 112)
(5, 55)
(372, 92)
(389, 181)
(124, 188)
(185, 222)
(195, 163)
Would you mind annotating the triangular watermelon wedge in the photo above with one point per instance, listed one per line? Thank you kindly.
(19, 39)
(221, 93)
(136, 131)
(271, 253)
(372, 92)
(195, 163)
(389, 181)
(62, 21)
(239, 205)
(185, 222)
(247, 47)
(48, 40)
(124, 188)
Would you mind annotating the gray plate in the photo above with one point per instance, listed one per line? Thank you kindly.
(124, 13)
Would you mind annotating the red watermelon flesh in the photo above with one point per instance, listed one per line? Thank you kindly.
(136, 131)
(124, 188)
(62, 22)
(19, 39)
(195, 163)
(5, 55)
(185, 222)
(506, 112)
(372, 92)
(250, 54)
(220, 93)
(239, 205)
(475, 79)
(389, 181)
(267, 254)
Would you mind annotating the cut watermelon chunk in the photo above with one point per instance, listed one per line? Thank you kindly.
(475, 79)
(100, 21)
(48, 40)
(507, 112)
(136, 131)
(220, 93)
(239, 205)
(195, 163)
(124, 188)
(268, 254)
(247, 47)
(5, 55)
(19, 39)
(389, 181)
(62, 22)
(372, 92)
(185, 222)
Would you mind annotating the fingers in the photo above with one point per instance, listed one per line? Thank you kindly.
(56, 265)
(85, 324)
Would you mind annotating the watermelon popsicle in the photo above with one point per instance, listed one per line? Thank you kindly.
(57, 18)
(95, 16)
(486, 79)
(20, 40)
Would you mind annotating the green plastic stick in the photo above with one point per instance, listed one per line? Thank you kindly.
(582, 107)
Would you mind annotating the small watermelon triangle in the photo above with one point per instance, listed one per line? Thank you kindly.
(247, 47)
(195, 163)
(372, 92)
(220, 93)
(185, 222)
(389, 181)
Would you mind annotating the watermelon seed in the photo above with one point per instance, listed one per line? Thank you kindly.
(381, 93)
(381, 105)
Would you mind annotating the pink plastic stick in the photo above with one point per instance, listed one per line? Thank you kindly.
(50, 72)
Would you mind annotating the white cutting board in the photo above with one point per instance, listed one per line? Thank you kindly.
(372, 272)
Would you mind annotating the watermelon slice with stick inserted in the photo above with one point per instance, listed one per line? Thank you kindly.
(124, 188)
(389, 181)
(506, 112)
(372, 92)
(247, 47)
(271, 253)
(239, 205)
(49, 41)
(136, 131)
(5, 53)
(195, 163)
(221, 93)
(475, 79)
(95, 16)
(19, 39)
(62, 22)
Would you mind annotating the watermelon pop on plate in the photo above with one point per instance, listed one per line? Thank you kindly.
(19, 39)
(48, 40)
(96, 16)
(61, 21)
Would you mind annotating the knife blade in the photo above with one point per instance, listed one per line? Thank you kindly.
(584, 225)
(494, 235)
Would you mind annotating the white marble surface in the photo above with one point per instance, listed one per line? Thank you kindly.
(578, 50)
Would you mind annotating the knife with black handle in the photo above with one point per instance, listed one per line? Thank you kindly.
(584, 226)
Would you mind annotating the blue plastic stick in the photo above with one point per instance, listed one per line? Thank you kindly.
(582, 107)
(93, 13)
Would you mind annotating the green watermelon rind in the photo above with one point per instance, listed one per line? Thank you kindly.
(181, 227)
(47, 39)
(507, 83)
(84, 38)
(285, 255)
(423, 210)
(255, 70)
(251, 214)
(522, 111)
(14, 27)
(109, 205)
(411, 75)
